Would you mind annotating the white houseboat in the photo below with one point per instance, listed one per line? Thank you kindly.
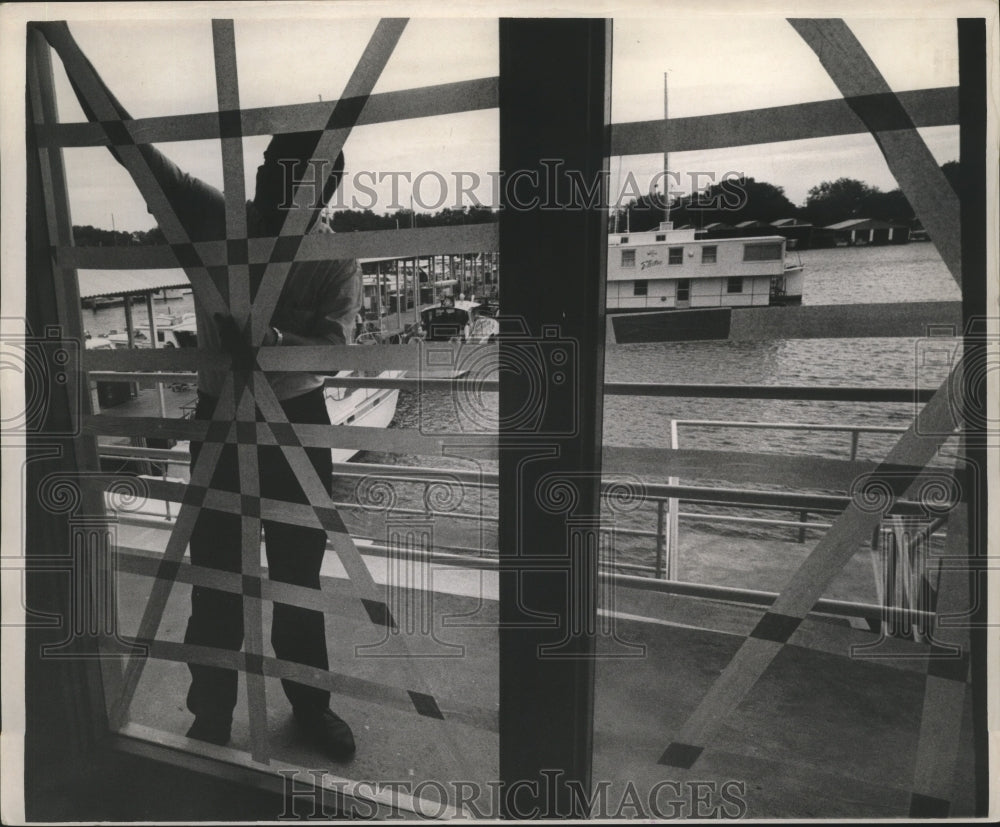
(667, 285)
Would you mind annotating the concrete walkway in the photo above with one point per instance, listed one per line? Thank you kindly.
(822, 734)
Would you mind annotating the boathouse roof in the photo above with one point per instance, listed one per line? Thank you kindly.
(94, 283)
(860, 224)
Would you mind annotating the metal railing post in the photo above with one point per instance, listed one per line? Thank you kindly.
(803, 518)
(168, 516)
(661, 538)
(855, 433)
(673, 551)
(166, 503)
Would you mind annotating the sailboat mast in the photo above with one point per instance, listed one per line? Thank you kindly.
(666, 156)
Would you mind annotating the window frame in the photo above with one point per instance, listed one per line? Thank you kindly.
(84, 718)
(777, 245)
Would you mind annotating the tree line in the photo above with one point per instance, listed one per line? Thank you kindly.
(342, 221)
(730, 202)
(89, 236)
(746, 199)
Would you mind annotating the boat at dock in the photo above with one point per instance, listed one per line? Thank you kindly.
(172, 331)
(361, 407)
(481, 325)
(354, 406)
(100, 302)
(669, 285)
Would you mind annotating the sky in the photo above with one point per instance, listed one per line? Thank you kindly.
(715, 64)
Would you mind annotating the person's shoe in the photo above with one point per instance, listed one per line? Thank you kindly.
(211, 730)
(327, 731)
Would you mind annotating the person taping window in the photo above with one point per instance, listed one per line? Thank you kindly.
(317, 306)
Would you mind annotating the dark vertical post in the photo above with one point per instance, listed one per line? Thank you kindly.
(399, 317)
(129, 324)
(63, 708)
(554, 110)
(972, 123)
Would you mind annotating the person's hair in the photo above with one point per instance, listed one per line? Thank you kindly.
(447, 301)
(286, 164)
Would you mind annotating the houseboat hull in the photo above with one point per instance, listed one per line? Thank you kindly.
(692, 325)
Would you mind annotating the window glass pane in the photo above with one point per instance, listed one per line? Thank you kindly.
(297, 582)
(628, 258)
(641, 288)
(708, 703)
(762, 252)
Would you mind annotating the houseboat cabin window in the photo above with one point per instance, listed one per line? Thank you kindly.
(762, 252)
(628, 258)
(624, 239)
(661, 237)
(640, 288)
(708, 254)
(683, 290)
(676, 255)
(734, 284)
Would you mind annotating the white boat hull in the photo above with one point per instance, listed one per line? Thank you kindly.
(370, 408)
(366, 407)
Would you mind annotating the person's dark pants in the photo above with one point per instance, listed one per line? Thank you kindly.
(294, 555)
